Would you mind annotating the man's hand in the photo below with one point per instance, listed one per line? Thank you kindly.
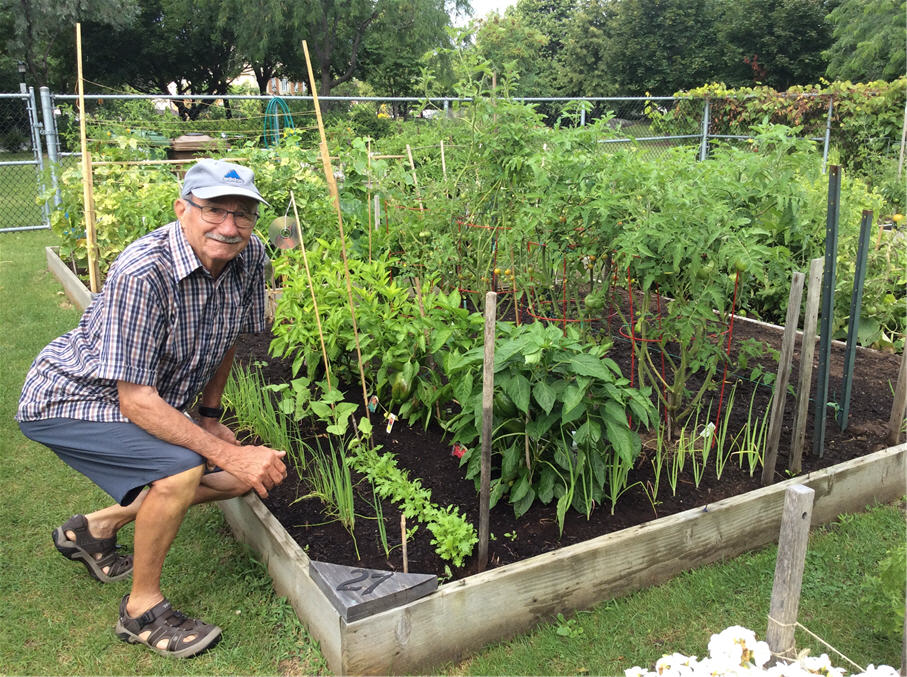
(261, 468)
(218, 429)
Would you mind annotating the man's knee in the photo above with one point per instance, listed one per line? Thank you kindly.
(181, 484)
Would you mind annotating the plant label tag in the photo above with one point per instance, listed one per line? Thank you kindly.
(373, 403)
(390, 422)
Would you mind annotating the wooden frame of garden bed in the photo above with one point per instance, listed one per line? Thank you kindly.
(464, 615)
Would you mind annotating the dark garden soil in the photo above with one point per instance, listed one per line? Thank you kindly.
(426, 455)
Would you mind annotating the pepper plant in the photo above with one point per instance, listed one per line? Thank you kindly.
(562, 417)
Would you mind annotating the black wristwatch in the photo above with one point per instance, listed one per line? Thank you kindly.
(211, 412)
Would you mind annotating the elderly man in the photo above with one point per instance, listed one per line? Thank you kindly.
(110, 397)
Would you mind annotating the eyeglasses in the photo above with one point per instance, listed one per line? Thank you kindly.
(241, 218)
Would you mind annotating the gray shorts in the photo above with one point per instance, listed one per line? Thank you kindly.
(121, 458)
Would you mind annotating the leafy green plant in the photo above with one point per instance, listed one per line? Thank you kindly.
(883, 592)
(562, 411)
(452, 535)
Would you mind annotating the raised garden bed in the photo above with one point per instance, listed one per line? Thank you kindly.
(511, 598)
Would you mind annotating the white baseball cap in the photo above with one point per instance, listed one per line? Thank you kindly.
(209, 179)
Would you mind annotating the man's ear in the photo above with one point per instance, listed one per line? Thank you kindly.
(179, 207)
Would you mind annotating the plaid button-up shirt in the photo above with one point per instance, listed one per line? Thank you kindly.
(161, 319)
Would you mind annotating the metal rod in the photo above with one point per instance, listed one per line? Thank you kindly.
(828, 292)
(853, 322)
(827, 134)
(51, 141)
(704, 144)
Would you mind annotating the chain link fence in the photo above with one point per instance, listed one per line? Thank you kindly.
(21, 163)
(173, 128)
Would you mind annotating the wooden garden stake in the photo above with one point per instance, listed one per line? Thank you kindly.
(335, 195)
(443, 161)
(91, 236)
(403, 542)
(487, 412)
(807, 352)
(784, 362)
(896, 421)
(412, 166)
(308, 274)
(785, 603)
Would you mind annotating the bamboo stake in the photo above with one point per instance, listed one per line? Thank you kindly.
(91, 236)
(807, 352)
(308, 274)
(487, 422)
(784, 362)
(443, 161)
(900, 403)
(412, 166)
(335, 195)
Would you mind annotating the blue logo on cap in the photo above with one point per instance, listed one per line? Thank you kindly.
(232, 177)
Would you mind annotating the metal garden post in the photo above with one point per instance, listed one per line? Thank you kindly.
(582, 117)
(831, 103)
(854, 322)
(51, 141)
(704, 143)
(828, 293)
(35, 126)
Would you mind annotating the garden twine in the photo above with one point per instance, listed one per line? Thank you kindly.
(797, 624)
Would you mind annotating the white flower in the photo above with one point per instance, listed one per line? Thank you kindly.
(637, 671)
(880, 671)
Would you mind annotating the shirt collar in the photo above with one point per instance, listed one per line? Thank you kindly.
(185, 262)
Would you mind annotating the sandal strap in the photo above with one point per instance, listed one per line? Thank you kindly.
(116, 562)
(78, 524)
(167, 623)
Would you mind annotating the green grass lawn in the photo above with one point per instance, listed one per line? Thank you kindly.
(56, 620)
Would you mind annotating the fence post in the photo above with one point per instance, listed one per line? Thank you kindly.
(785, 602)
(853, 321)
(582, 117)
(35, 125)
(831, 102)
(828, 306)
(704, 143)
(50, 140)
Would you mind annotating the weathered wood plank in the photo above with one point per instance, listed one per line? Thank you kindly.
(807, 353)
(896, 420)
(791, 558)
(784, 362)
(522, 594)
(72, 286)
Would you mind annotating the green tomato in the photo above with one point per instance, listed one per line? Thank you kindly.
(594, 302)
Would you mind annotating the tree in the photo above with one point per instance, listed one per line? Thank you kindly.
(511, 47)
(170, 44)
(778, 43)
(582, 62)
(868, 40)
(391, 54)
(661, 46)
(34, 29)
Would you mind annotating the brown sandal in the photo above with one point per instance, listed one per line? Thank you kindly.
(85, 547)
(165, 622)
